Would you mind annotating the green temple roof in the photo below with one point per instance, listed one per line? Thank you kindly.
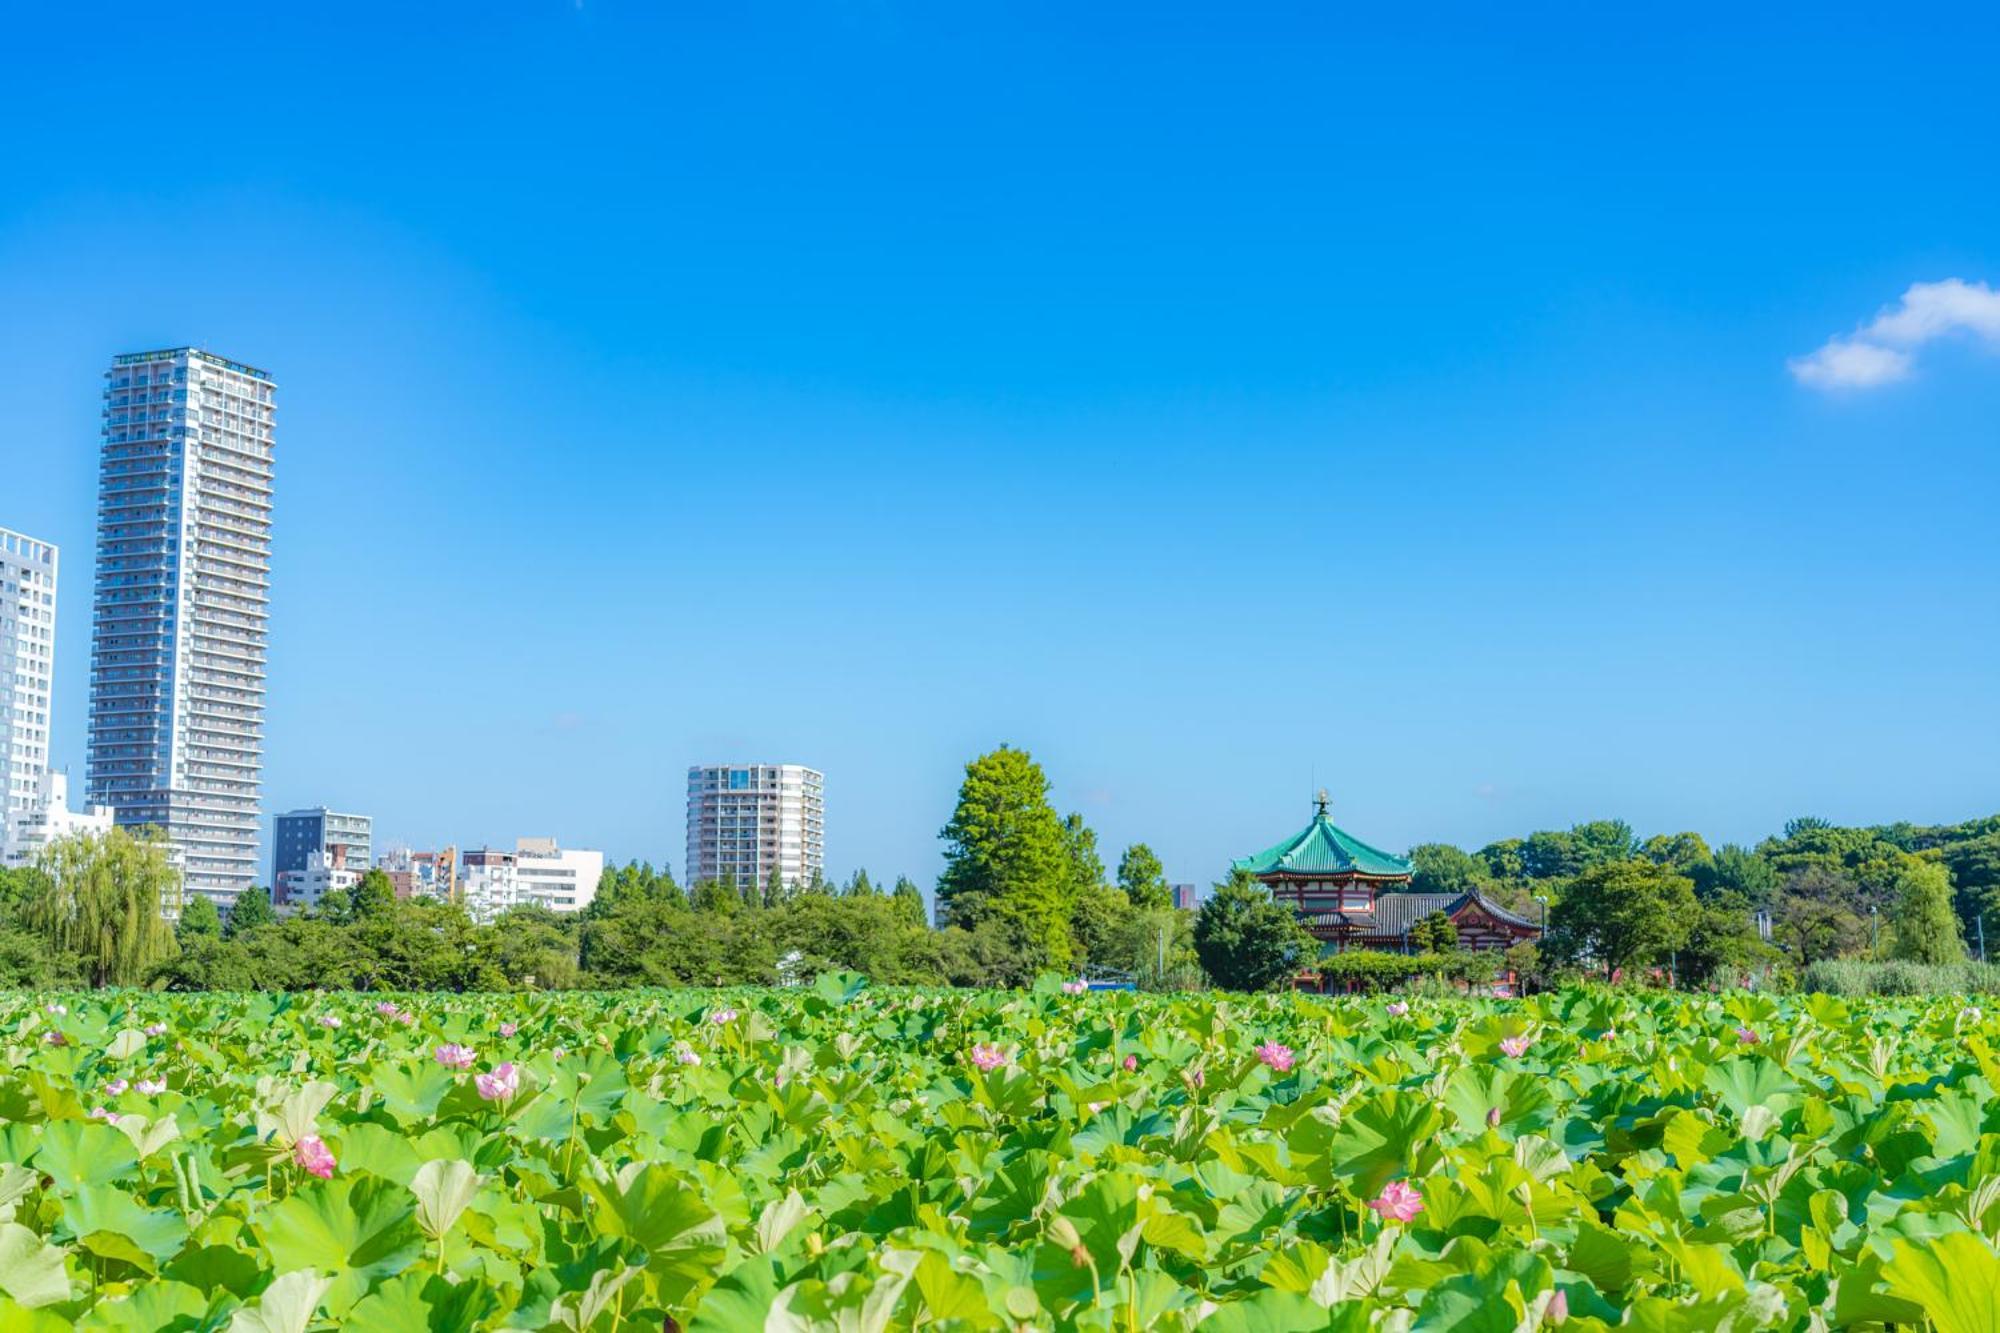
(1322, 849)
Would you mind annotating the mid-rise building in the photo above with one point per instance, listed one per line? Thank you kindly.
(537, 873)
(299, 834)
(302, 889)
(27, 670)
(744, 820)
(1186, 897)
(181, 607)
(45, 818)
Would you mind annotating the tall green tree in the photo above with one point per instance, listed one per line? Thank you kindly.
(251, 909)
(1246, 941)
(909, 900)
(199, 921)
(774, 888)
(1144, 879)
(1621, 914)
(1086, 867)
(101, 901)
(374, 895)
(1006, 854)
(1439, 867)
(1926, 925)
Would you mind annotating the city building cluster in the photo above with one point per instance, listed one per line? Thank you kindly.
(180, 620)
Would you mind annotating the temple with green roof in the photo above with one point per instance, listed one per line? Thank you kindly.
(1354, 896)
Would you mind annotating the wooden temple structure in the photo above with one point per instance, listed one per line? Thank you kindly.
(1353, 896)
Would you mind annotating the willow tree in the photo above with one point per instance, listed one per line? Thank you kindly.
(102, 902)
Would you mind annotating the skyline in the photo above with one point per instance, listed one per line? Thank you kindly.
(1245, 417)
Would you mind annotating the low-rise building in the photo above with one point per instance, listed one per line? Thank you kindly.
(537, 873)
(303, 890)
(45, 817)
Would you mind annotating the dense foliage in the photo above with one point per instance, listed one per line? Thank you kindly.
(841, 1157)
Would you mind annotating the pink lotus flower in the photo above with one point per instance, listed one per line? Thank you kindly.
(152, 1087)
(501, 1084)
(721, 1016)
(1075, 987)
(987, 1057)
(1558, 1307)
(1397, 1008)
(329, 1020)
(116, 1087)
(156, 1029)
(1131, 1063)
(687, 1056)
(57, 1009)
(312, 1153)
(1277, 1056)
(1493, 1117)
(54, 1039)
(454, 1056)
(1514, 1046)
(104, 1113)
(1747, 1037)
(558, 1053)
(508, 1029)
(386, 1009)
(1196, 1079)
(406, 1018)
(1397, 1202)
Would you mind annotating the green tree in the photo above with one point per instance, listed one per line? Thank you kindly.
(1683, 853)
(859, 885)
(251, 909)
(101, 901)
(1815, 917)
(1246, 941)
(1086, 867)
(1100, 928)
(1926, 925)
(1144, 879)
(1722, 944)
(1006, 855)
(1621, 914)
(909, 901)
(199, 920)
(374, 895)
(1740, 871)
(1439, 867)
(1434, 934)
(774, 887)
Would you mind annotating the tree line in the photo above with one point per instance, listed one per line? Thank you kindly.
(1026, 890)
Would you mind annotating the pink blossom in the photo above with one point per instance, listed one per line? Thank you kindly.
(116, 1087)
(1397, 1008)
(1196, 1079)
(53, 1038)
(987, 1057)
(508, 1029)
(721, 1016)
(1558, 1308)
(406, 1018)
(1514, 1046)
(156, 1029)
(386, 1009)
(558, 1053)
(104, 1113)
(687, 1056)
(1278, 1057)
(57, 1009)
(1397, 1202)
(1747, 1037)
(1493, 1117)
(312, 1153)
(1075, 987)
(501, 1084)
(454, 1056)
(1131, 1063)
(152, 1087)
(329, 1020)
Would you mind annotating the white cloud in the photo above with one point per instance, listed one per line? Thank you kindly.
(1850, 365)
(1879, 352)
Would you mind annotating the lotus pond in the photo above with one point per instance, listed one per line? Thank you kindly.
(853, 1158)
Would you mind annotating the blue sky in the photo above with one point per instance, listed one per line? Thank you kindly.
(1216, 400)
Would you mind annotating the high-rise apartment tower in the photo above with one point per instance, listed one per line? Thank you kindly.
(182, 600)
(745, 819)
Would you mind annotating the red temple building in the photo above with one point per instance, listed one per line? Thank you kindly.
(1353, 896)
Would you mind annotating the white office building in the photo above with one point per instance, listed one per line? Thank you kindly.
(303, 889)
(27, 670)
(182, 597)
(45, 818)
(537, 873)
(743, 820)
